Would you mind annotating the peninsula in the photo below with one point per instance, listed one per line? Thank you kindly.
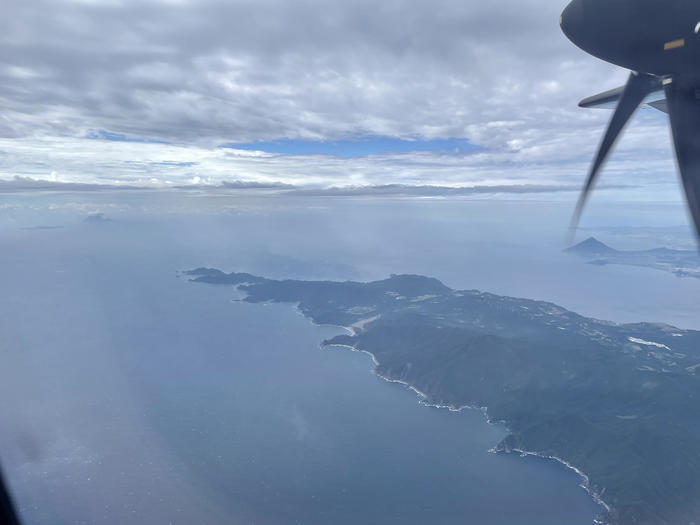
(620, 403)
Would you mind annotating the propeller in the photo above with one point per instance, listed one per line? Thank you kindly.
(638, 87)
(8, 514)
(683, 102)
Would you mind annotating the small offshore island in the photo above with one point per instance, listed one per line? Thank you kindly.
(616, 402)
(681, 263)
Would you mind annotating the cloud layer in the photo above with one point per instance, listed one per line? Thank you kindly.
(183, 77)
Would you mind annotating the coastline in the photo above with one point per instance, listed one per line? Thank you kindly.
(353, 331)
(585, 484)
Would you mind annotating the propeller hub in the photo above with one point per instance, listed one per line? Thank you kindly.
(650, 36)
(573, 22)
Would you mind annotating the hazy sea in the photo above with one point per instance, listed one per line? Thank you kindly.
(129, 395)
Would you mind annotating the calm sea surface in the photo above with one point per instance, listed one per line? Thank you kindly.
(129, 395)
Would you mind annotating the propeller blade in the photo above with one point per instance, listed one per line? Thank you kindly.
(8, 514)
(683, 99)
(638, 86)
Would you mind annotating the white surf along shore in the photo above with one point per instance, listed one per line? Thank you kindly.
(359, 326)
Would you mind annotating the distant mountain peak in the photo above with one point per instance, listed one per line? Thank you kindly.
(591, 246)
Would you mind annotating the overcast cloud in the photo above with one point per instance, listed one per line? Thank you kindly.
(187, 76)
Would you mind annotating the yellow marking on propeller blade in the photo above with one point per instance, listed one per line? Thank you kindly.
(675, 44)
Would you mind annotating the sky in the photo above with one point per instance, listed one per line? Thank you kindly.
(314, 94)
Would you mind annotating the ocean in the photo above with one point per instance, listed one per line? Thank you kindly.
(130, 395)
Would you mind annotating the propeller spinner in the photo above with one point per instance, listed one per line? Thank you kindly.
(659, 42)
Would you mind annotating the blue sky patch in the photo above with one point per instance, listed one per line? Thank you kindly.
(357, 148)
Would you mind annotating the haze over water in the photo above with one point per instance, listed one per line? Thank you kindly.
(131, 395)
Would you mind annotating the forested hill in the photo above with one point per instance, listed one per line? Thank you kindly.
(619, 402)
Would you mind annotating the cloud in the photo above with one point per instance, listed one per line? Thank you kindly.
(437, 191)
(242, 70)
(126, 164)
(143, 93)
(24, 184)
(237, 185)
